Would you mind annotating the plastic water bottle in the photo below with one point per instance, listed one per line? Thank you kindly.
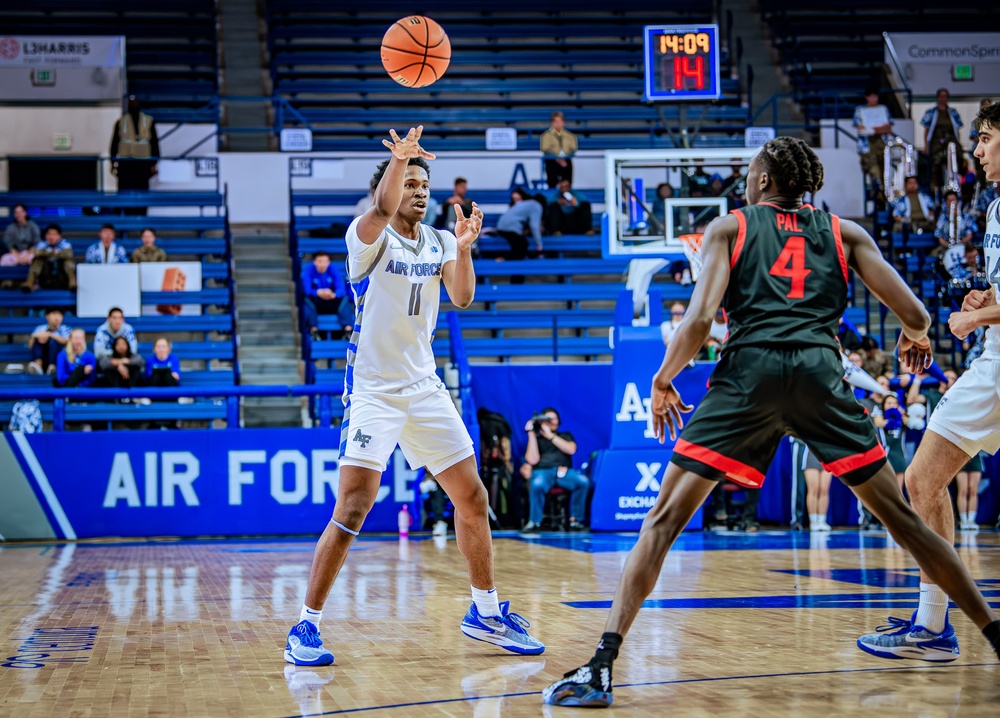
(404, 522)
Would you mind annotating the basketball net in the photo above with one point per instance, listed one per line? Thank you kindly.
(691, 244)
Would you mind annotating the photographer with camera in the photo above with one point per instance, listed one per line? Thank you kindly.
(550, 453)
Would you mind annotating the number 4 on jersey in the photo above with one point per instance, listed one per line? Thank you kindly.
(791, 263)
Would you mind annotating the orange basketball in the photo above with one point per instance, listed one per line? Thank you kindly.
(415, 51)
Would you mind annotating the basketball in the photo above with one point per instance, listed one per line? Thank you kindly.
(415, 51)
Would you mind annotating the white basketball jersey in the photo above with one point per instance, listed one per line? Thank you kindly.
(397, 290)
(991, 247)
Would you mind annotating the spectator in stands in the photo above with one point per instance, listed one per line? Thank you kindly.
(106, 250)
(914, 208)
(874, 361)
(163, 368)
(447, 215)
(849, 336)
(550, 453)
(568, 211)
(873, 124)
(148, 251)
(19, 239)
(53, 266)
(325, 294)
(47, 341)
(952, 249)
(558, 145)
(669, 327)
(737, 182)
(135, 148)
(658, 215)
(123, 368)
(523, 217)
(114, 327)
(76, 366)
(941, 124)
(987, 195)
(892, 422)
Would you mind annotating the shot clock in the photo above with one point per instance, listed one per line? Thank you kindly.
(682, 62)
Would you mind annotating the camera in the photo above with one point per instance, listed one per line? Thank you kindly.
(537, 420)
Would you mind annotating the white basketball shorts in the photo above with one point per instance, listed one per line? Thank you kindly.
(969, 413)
(421, 418)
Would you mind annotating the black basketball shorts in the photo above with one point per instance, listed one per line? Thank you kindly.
(759, 395)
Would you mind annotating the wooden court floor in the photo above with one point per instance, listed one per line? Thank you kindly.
(738, 625)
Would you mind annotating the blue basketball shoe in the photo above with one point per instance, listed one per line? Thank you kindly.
(508, 630)
(911, 641)
(588, 686)
(304, 647)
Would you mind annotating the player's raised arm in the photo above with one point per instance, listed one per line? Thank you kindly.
(459, 275)
(389, 192)
(865, 258)
(694, 330)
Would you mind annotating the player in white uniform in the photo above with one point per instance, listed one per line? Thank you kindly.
(393, 395)
(965, 422)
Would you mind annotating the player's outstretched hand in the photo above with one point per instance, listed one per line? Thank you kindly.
(667, 406)
(467, 228)
(409, 146)
(977, 299)
(962, 324)
(914, 357)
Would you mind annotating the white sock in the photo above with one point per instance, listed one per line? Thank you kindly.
(932, 613)
(486, 602)
(815, 520)
(970, 517)
(307, 614)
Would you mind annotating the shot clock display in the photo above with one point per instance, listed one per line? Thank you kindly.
(682, 62)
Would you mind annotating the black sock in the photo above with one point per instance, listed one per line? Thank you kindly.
(607, 649)
(992, 633)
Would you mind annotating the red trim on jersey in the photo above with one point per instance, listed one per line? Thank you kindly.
(735, 470)
(741, 237)
(786, 209)
(858, 461)
(840, 244)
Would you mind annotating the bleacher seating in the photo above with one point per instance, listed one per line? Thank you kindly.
(511, 66)
(171, 47)
(837, 48)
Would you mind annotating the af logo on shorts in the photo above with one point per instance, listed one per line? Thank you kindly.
(362, 439)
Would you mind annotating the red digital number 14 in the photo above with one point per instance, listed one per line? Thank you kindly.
(791, 263)
(690, 68)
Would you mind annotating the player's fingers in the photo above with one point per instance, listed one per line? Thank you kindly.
(427, 155)
(675, 414)
(687, 408)
(658, 428)
(459, 214)
(388, 144)
(393, 135)
(417, 132)
(670, 423)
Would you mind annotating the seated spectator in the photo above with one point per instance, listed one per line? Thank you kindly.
(75, 365)
(114, 327)
(966, 224)
(325, 294)
(106, 250)
(850, 337)
(19, 239)
(914, 208)
(123, 368)
(550, 453)
(658, 215)
(47, 341)
(148, 252)
(447, 215)
(670, 326)
(163, 368)
(986, 197)
(53, 266)
(874, 361)
(568, 211)
(523, 217)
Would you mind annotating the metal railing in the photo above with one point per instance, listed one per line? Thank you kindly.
(60, 397)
